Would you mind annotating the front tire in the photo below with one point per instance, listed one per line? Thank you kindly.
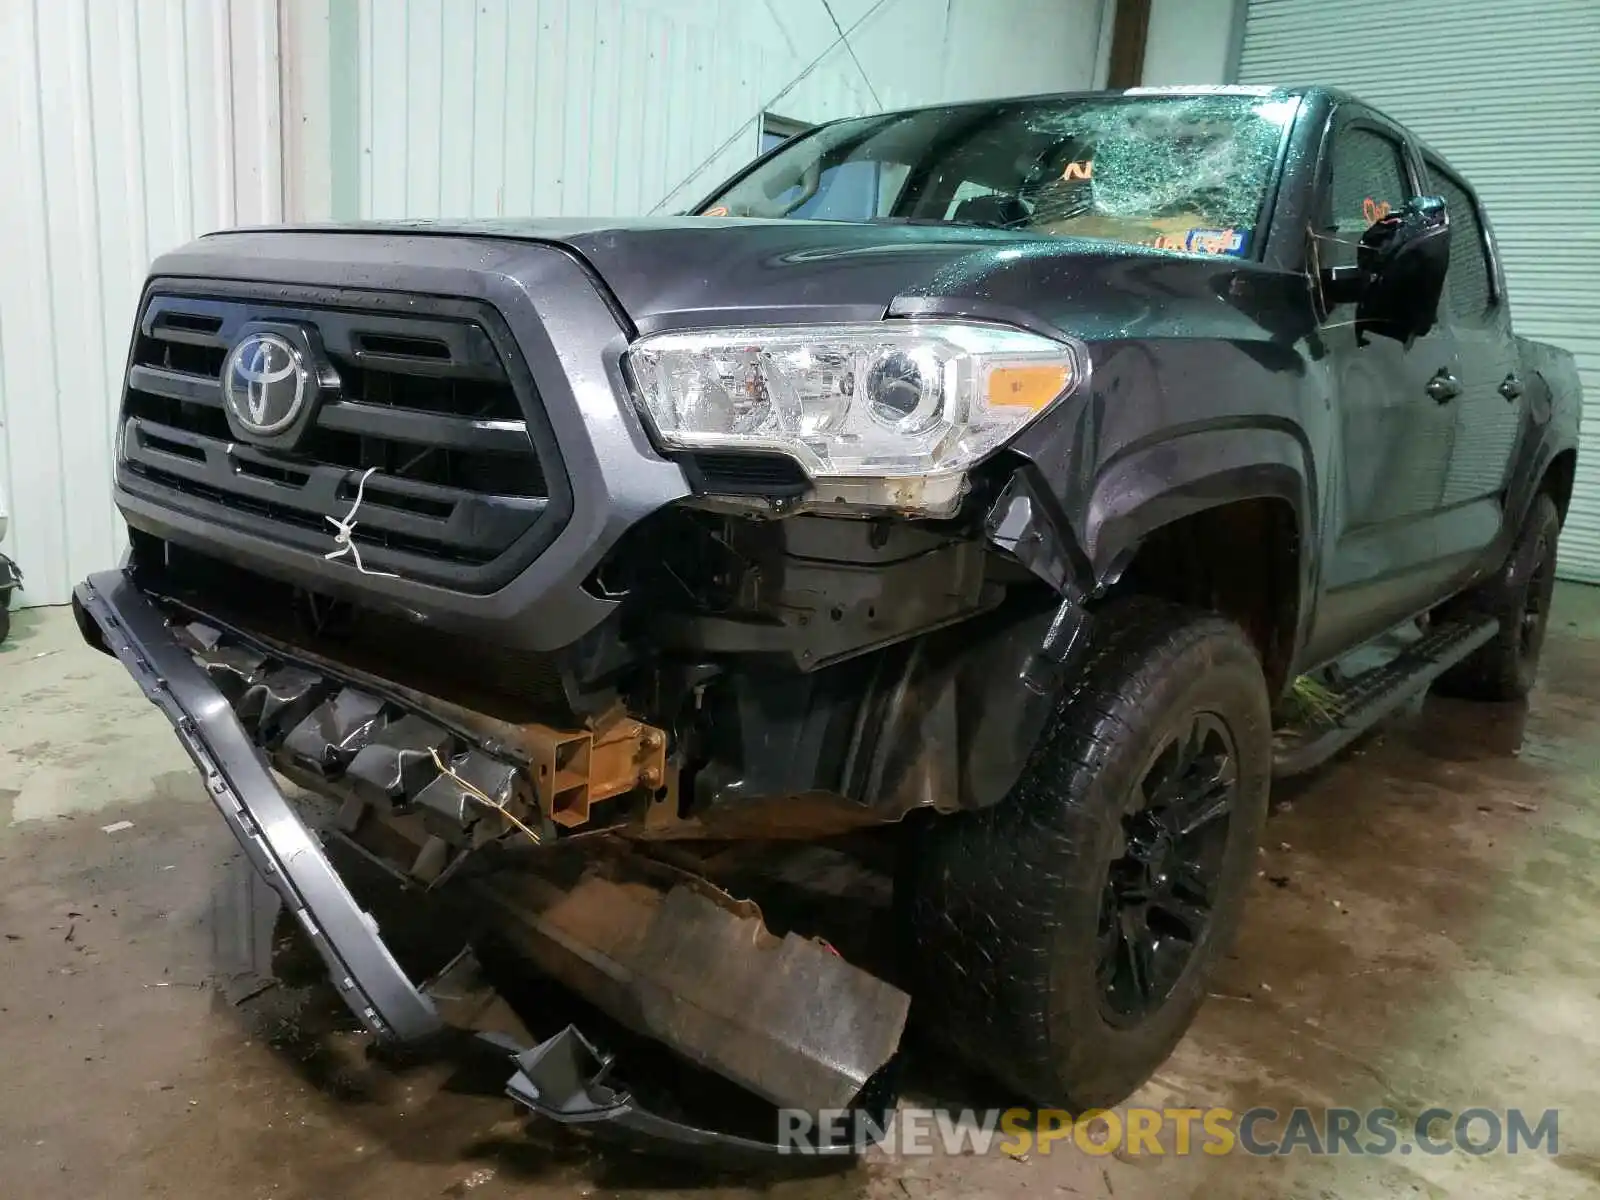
(1065, 936)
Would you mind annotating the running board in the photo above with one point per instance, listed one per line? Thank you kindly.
(1360, 702)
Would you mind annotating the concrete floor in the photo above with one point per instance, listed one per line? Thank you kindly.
(1424, 931)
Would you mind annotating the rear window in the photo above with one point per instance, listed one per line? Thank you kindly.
(1467, 280)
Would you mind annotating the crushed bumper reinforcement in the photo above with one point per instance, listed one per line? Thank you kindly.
(565, 1078)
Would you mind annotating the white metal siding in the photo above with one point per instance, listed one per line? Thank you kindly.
(620, 107)
(126, 128)
(1509, 92)
(509, 107)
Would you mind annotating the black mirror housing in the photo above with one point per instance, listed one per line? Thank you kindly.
(1343, 285)
(1401, 261)
(1399, 274)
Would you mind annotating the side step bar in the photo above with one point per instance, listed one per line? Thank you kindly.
(1365, 699)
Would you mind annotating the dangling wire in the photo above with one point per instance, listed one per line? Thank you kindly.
(342, 539)
(474, 792)
(1316, 269)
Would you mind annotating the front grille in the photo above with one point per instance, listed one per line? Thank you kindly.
(432, 393)
(513, 684)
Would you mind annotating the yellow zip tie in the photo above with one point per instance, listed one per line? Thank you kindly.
(482, 797)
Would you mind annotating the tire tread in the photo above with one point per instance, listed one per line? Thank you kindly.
(981, 921)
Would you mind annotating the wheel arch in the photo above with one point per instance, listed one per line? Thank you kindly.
(1558, 479)
(1218, 518)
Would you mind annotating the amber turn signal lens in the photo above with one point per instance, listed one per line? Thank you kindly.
(1030, 387)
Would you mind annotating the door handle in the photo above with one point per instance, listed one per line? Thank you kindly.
(1444, 387)
(1511, 387)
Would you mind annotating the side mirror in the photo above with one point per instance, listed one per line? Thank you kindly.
(1399, 273)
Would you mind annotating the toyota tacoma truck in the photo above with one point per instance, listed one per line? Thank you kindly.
(992, 482)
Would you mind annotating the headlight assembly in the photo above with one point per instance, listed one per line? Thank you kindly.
(883, 415)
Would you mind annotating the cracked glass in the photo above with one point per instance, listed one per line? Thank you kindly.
(1184, 172)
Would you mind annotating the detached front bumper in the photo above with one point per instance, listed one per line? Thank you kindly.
(112, 613)
(650, 973)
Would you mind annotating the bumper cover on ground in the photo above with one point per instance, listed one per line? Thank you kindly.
(566, 1079)
(554, 1079)
(239, 783)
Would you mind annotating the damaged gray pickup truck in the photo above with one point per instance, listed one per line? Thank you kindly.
(978, 484)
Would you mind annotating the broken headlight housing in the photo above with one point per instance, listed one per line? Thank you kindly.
(888, 415)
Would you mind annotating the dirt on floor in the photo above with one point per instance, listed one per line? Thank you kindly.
(1422, 934)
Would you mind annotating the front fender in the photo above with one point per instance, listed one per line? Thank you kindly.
(1156, 483)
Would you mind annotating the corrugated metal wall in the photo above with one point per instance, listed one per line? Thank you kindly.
(591, 107)
(1508, 90)
(601, 107)
(126, 128)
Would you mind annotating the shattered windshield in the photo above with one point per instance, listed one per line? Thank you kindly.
(1178, 172)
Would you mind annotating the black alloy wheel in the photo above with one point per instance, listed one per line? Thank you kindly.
(1518, 597)
(1536, 605)
(1162, 886)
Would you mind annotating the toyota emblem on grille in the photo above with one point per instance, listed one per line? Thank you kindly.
(265, 381)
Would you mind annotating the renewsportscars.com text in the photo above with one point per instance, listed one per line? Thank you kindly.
(1259, 1132)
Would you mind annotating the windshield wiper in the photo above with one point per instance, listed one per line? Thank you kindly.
(936, 221)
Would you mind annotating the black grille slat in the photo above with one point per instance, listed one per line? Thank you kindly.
(275, 471)
(405, 349)
(407, 425)
(207, 326)
(187, 319)
(176, 385)
(470, 398)
(425, 401)
(154, 443)
(476, 526)
(426, 368)
(179, 356)
(390, 551)
(164, 331)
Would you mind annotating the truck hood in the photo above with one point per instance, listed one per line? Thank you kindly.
(679, 272)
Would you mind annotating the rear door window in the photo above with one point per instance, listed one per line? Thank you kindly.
(1467, 280)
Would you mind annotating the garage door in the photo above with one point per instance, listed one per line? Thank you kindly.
(1509, 91)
